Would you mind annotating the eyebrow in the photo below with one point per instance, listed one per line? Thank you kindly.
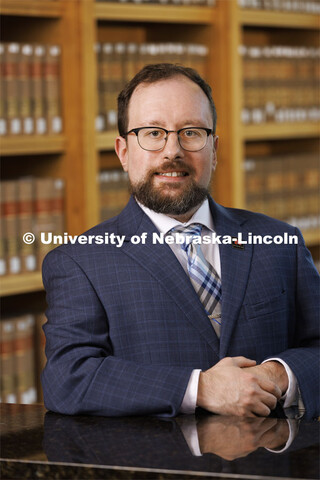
(156, 123)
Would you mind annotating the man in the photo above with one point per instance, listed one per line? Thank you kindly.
(142, 326)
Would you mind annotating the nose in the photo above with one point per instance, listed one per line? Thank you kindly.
(172, 148)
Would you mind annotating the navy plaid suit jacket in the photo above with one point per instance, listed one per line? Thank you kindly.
(125, 327)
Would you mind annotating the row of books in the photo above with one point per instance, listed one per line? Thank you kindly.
(295, 6)
(119, 62)
(210, 3)
(30, 98)
(286, 187)
(28, 206)
(114, 192)
(22, 358)
(281, 84)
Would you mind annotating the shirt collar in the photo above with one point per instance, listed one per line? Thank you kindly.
(165, 223)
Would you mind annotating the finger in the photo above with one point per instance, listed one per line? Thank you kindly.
(261, 409)
(269, 400)
(243, 362)
(270, 387)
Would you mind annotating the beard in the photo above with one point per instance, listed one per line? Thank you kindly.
(160, 201)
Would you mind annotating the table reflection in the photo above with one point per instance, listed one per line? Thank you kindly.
(195, 443)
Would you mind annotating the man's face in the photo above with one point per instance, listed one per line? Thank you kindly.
(172, 104)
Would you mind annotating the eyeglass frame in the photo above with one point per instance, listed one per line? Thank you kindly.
(209, 131)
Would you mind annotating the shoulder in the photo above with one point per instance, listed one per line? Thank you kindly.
(257, 222)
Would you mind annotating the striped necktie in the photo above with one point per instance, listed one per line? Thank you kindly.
(203, 276)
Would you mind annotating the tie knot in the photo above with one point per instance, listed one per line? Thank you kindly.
(189, 233)
(193, 230)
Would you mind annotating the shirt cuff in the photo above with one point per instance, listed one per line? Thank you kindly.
(293, 431)
(189, 401)
(291, 396)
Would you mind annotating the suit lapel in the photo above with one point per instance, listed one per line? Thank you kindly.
(235, 267)
(162, 264)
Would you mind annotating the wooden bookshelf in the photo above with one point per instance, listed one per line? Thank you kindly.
(20, 283)
(130, 12)
(32, 145)
(279, 19)
(80, 152)
(271, 131)
(32, 8)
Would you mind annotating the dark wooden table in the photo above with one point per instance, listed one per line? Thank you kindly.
(40, 444)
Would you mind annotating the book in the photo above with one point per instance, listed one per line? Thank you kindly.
(44, 221)
(10, 211)
(24, 359)
(37, 90)
(7, 359)
(24, 89)
(25, 193)
(11, 85)
(3, 93)
(52, 94)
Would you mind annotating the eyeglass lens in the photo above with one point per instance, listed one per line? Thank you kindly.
(153, 139)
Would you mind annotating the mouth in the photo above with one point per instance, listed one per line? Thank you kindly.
(175, 174)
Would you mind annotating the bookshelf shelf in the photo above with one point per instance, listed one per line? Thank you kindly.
(105, 140)
(22, 283)
(311, 237)
(154, 13)
(32, 8)
(265, 18)
(29, 145)
(270, 131)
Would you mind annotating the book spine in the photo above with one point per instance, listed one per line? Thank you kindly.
(100, 123)
(51, 70)
(26, 223)
(24, 359)
(57, 206)
(3, 239)
(37, 90)
(12, 51)
(10, 215)
(44, 222)
(8, 389)
(3, 93)
(24, 83)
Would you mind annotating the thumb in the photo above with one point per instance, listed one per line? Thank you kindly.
(243, 362)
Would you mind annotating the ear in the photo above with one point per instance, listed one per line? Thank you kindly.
(215, 149)
(121, 149)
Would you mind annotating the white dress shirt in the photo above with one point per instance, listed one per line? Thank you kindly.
(211, 252)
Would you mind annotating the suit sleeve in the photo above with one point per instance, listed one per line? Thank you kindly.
(82, 376)
(304, 358)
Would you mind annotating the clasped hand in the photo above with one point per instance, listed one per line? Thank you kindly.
(237, 386)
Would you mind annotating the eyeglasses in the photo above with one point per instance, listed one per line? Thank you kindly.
(154, 139)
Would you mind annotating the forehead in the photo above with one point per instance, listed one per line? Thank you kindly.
(172, 100)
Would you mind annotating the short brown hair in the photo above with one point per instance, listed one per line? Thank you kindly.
(152, 74)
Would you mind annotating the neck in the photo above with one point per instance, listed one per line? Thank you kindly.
(185, 217)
